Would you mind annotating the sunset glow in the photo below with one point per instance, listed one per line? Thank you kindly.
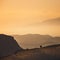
(22, 16)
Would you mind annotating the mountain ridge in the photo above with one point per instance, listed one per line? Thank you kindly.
(32, 40)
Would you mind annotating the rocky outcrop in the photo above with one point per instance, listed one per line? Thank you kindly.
(8, 45)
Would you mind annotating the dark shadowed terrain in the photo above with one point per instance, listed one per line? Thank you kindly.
(8, 45)
(10, 50)
(46, 53)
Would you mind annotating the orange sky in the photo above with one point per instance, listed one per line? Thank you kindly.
(17, 15)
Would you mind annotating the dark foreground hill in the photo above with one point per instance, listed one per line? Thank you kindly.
(8, 45)
(46, 53)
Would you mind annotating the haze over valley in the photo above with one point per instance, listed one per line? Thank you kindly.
(29, 29)
(35, 40)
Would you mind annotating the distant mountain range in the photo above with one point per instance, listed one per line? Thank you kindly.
(35, 40)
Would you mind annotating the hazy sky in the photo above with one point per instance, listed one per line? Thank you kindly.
(17, 15)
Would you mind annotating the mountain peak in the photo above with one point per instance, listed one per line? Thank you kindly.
(8, 45)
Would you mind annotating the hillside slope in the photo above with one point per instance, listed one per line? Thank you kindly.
(35, 40)
(47, 53)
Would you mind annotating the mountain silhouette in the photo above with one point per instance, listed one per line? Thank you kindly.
(51, 52)
(8, 45)
(35, 40)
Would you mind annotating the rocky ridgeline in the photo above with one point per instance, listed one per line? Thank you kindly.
(8, 45)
